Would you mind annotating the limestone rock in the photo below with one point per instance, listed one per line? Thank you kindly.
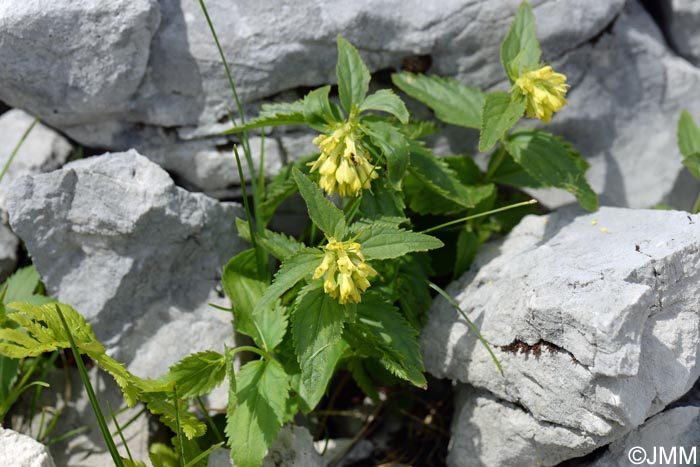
(139, 257)
(682, 18)
(595, 320)
(17, 450)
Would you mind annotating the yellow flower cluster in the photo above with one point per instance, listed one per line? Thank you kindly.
(346, 271)
(344, 164)
(544, 90)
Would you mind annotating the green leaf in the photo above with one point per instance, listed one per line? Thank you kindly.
(162, 455)
(394, 147)
(553, 163)
(282, 113)
(196, 374)
(317, 328)
(520, 49)
(509, 172)
(132, 463)
(353, 75)
(158, 403)
(262, 392)
(279, 245)
(385, 100)
(452, 101)
(318, 112)
(689, 143)
(245, 286)
(9, 370)
(412, 290)
(382, 200)
(379, 321)
(441, 179)
(291, 271)
(500, 114)
(363, 380)
(282, 186)
(467, 245)
(325, 215)
(383, 242)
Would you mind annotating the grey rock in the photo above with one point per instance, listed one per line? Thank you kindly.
(595, 320)
(294, 447)
(9, 243)
(669, 438)
(139, 257)
(682, 18)
(18, 450)
(42, 151)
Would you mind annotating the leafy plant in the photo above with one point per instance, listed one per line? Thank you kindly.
(689, 145)
(352, 293)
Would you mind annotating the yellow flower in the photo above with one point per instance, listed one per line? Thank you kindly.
(544, 90)
(344, 164)
(345, 270)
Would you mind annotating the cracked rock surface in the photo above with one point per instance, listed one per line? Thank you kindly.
(18, 450)
(595, 319)
(137, 256)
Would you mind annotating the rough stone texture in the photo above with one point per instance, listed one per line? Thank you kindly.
(9, 244)
(17, 450)
(43, 150)
(661, 435)
(596, 330)
(294, 447)
(627, 91)
(139, 257)
(682, 19)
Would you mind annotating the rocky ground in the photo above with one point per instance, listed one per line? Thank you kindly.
(595, 317)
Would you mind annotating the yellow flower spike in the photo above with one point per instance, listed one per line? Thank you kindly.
(345, 271)
(544, 90)
(344, 163)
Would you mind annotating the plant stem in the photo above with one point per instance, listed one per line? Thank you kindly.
(214, 429)
(473, 327)
(696, 205)
(498, 159)
(91, 394)
(481, 214)
(16, 149)
(177, 425)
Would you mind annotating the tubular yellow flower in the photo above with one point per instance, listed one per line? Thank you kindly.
(345, 271)
(544, 90)
(344, 164)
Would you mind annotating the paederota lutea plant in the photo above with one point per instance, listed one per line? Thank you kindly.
(353, 291)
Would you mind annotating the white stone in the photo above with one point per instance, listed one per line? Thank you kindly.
(611, 299)
(682, 19)
(17, 450)
(139, 257)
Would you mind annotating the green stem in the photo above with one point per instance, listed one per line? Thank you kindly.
(214, 429)
(16, 149)
(177, 425)
(498, 160)
(696, 205)
(249, 348)
(473, 327)
(119, 431)
(259, 254)
(91, 393)
(481, 214)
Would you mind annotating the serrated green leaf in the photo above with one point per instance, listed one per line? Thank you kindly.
(318, 111)
(381, 322)
(500, 114)
(22, 284)
(553, 163)
(162, 455)
(394, 147)
(317, 328)
(439, 178)
(196, 374)
(262, 392)
(411, 285)
(294, 269)
(520, 49)
(364, 382)
(509, 172)
(274, 114)
(158, 404)
(689, 143)
(277, 244)
(382, 200)
(452, 101)
(467, 245)
(383, 242)
(385, 100)
(282, 186)
(353, 75)
(325, 215)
